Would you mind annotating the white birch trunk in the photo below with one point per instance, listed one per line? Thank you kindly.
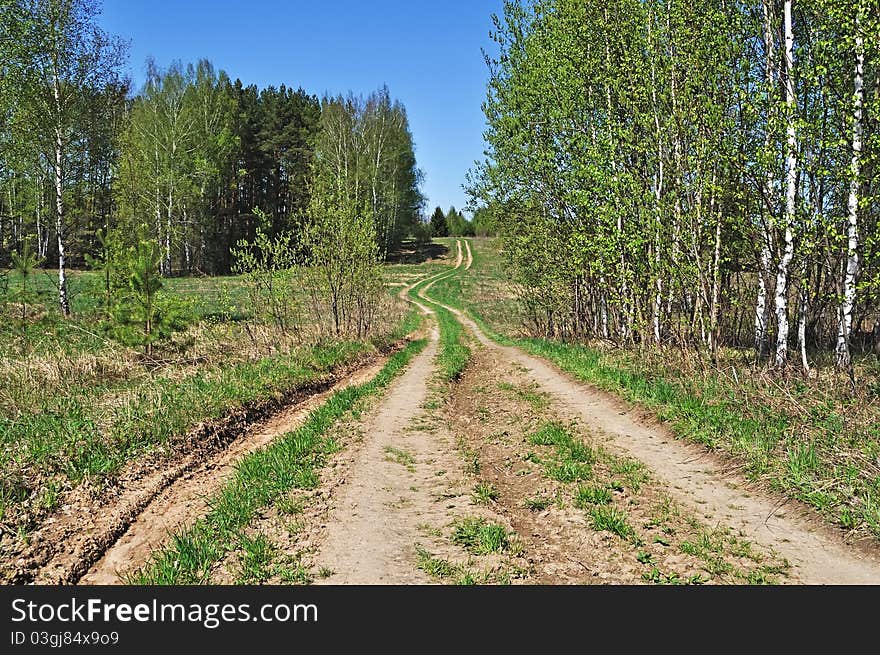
(658, 195)
(762, 309)
(63, 300)
(42, 231)
(843, 358)
(790, 193)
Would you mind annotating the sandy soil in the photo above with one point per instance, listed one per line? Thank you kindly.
(470, 257)
(497, 407)
(389, 491)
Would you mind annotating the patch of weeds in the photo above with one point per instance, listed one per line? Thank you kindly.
(538, 503)
(291, 571)
(632, 471)
(549, 434)
(645, 558)
(611, 519)
(743, 548)
(434, 566)
(846, 517)
(658, 577)
(586, 497)
(704, 546)
(662, 512)
(485, 493)
(579, 452)
(401, 457)
(467, 579)
(262, 477)
(294, 527)
(801, 464)
(290, 504)
(766, 575)
(255, 561)
(717, 566)
(480, 537)
(568, 471)
(325, 572)
(427, 529)
(529, 394)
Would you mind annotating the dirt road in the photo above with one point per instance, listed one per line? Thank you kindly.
(698, 480)
(430, 459)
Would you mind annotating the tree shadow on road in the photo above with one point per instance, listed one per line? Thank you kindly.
(411, 252)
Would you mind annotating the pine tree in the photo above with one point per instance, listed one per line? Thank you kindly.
(438, 224)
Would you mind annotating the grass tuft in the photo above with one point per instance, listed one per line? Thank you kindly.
(480, 537)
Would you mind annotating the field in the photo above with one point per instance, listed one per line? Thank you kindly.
(238, 453)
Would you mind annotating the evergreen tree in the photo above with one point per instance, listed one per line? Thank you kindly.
(438, 224)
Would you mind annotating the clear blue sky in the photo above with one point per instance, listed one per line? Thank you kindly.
(427, 52)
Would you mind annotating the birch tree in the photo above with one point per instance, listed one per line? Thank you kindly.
(65, 63)
(842, 351)
(782, 272)
(671, 172)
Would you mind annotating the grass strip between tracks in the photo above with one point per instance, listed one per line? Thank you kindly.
(454, 354)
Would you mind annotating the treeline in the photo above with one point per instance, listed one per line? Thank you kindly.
(691, 173)
(198, 160)
(453, 223)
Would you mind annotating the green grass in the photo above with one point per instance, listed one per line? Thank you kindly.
(632, 471)
(468, 292)
(768, 440)
(539, 503)
(537, 399)
(434, 566)
(479, 537)
(586, 497)
(222, 298)
(788, 433)
(291, 571)
(568, 471)
(610, 519)
(454, 354)
(485, 493)
(255, 562)
(74, 405)
(457, 574)
(289, 462)
(573, 461)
